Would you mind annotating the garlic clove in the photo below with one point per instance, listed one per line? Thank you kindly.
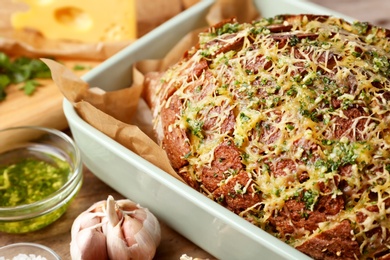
(139, 214)
(146, 245)
(117, 247)
(127, 205)
(89, 244)
(130, 235)
(149, 222)
(85, 220)
(97, 207)
(136, 211)
(130, 228)
(113, 214)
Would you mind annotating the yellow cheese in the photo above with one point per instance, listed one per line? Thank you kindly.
(80, 20)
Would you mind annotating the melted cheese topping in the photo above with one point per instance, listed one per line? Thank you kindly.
(316, 95)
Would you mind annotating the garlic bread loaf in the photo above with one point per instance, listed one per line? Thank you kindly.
(286, 122)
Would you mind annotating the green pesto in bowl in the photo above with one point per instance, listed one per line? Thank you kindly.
(40, 174)
(31, 180)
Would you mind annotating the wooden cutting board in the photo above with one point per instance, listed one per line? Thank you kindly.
(43, 107)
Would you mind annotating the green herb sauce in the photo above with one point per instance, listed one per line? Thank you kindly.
(31, 180)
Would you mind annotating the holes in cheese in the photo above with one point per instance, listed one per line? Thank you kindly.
(73, 17)
(83, 21)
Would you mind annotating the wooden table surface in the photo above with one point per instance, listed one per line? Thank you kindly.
(173, 245)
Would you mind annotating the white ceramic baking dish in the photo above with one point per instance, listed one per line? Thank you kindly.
(209, 225)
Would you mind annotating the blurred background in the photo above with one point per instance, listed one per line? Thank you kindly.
(374, 11)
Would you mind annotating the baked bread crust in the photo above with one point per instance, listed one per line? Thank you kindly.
(285, 122)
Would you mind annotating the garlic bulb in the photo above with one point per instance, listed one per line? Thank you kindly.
(115, 230)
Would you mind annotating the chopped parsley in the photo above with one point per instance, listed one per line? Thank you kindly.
(228, 28)
(21, 70)
(309, 198)
(294, 40)
(195, 127)
(360, 27)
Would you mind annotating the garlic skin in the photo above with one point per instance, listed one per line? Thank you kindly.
(115, 230)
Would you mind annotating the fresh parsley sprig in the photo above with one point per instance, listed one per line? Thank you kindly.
(21, 70)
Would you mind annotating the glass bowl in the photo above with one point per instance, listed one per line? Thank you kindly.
(40, 174)
(27, 251)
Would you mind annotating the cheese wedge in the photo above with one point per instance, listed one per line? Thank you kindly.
(85, 20)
